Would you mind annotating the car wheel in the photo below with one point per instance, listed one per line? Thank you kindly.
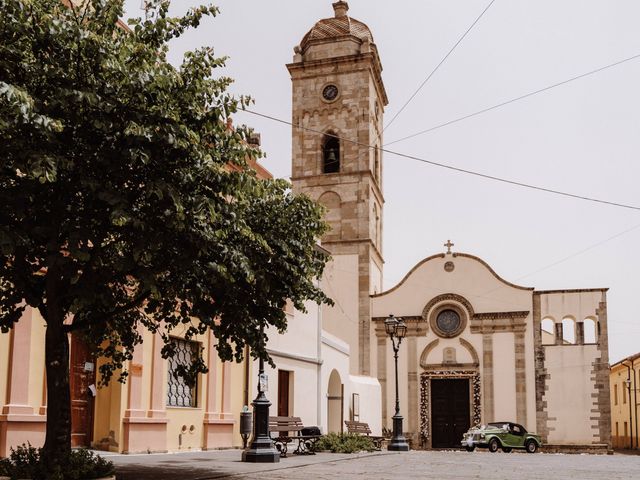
(506, 449)
(531, 446)
(494, 445)
(469, 449)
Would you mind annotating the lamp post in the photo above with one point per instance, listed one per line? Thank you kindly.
(396, 329)
(628, 384)
(261, 449)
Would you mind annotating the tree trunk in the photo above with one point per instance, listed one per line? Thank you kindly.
(57, 445)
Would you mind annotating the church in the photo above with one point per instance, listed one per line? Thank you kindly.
(478, 348)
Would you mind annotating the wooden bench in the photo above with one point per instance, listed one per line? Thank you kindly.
(362, 428)
(284, 430)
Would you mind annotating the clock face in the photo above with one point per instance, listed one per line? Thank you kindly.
(330, 93)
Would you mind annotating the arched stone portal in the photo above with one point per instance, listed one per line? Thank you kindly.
(335, 394)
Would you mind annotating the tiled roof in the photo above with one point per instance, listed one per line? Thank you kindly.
(337, 27)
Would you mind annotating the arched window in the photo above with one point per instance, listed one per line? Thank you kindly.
(331, 154)
(548, 331)
(590, 335)
(568, 330)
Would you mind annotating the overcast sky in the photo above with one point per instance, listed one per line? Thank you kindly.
(582, 137)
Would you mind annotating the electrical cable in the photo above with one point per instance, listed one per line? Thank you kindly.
(437, 67)
(451, 167)
(521, 97)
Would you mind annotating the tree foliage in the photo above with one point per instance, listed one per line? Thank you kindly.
(126, 197)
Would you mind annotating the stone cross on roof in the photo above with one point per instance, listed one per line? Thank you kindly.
(449, 245)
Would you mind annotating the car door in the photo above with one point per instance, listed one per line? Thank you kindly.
(517, 435)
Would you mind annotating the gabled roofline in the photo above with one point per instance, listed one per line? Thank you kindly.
(442, 255)
(631, 358)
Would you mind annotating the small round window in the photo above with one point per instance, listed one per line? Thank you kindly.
(448, 321)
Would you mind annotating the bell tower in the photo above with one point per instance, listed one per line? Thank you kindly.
(338, 105)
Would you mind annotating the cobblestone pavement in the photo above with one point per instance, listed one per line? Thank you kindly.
(447, 465)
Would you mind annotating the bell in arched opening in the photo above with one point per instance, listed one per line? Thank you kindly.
(331, 154)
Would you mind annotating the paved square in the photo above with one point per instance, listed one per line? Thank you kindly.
(447, 465)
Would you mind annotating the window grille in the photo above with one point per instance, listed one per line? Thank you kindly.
(179, 394)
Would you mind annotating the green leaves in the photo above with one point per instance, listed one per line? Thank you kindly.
(126, 196)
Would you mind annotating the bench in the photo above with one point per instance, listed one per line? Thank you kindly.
(284, 430)
(362, 428)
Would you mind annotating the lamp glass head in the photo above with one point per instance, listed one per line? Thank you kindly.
(401, 329)
(390, 325)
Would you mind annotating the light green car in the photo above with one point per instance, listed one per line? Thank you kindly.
(504, 435)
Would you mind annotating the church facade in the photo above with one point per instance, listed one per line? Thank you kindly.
(479, 349)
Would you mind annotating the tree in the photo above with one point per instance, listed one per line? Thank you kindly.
(119, 206)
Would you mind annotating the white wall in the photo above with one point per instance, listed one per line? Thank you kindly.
(569, 395)
(504, 379)
(368, 389)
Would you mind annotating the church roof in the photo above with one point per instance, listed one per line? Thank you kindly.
(341, 25)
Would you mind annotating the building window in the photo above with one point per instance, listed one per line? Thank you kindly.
(376, 165)
(331, 154)
(615, 394)
(179, 393)
(548, 331)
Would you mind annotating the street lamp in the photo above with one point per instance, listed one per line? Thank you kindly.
(396, 329)
(628, 383)
(261, 449)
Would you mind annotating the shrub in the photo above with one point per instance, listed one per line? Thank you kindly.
(344, 443)
(24, 462)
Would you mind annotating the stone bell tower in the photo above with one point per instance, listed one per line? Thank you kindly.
(338, 104)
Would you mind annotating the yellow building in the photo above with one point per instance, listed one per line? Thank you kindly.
(625, 402)
(151, 412)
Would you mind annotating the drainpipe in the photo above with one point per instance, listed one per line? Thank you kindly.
(319, 365)
(635, 399)
(247, 366)
(628, 382)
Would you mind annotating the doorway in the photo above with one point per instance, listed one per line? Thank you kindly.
(284, 386)
(450, 412)
(82, 386)
(335, 403)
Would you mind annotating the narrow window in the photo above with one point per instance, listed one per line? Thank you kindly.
(331, 154)
(376, 165)
(548, 331)
(179, 393)
(615, 394)
(590, 331)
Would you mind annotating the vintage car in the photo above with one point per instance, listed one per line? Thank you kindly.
(504, 435)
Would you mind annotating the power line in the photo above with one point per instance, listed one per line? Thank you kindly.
(451, 167)
(522, 97)
(438, 66)
(568, 257)
(584, 250)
